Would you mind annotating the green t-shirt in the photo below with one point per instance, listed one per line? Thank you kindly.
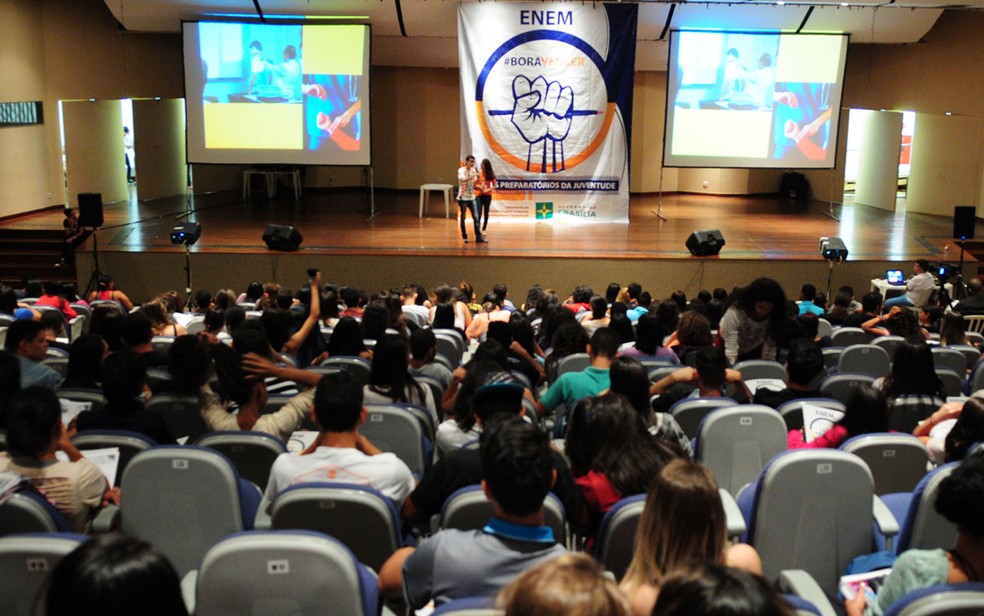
(572, 386)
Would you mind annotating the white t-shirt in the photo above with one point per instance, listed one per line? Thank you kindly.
(384, 472)
(450, 437)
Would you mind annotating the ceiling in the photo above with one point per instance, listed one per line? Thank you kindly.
(424, 32)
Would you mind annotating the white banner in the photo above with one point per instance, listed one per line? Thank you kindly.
(547, 98)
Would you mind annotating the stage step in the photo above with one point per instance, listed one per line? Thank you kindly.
(33, 253)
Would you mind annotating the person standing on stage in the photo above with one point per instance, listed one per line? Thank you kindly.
(484, 191)
(467, 177)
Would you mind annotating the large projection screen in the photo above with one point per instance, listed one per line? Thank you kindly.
(277, 93)
(753, 99)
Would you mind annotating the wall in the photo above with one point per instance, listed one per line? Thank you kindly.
(416, 130)
(946, 151)
(23, 157)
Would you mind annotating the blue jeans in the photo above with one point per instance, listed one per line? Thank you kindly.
(471, 206)
(898, 301)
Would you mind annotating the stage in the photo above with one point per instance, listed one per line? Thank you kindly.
(764, 235)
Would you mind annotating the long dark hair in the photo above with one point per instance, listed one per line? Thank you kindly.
(766, 290)
(390, 374)
(487, 170)
(866, 411)
(968, 430)
(913, 371)
(629, 378)
(346, 338)
(608, 436)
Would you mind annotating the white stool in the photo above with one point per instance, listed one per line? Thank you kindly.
(445, 188)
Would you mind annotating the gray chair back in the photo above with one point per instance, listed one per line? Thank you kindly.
(867, 359)
(252, 453)
(129, 444)
(616, 536)
(182, 500)
(897, 461)
(469, 509)
(25, 562)
(181, 414)
(689, 413)
(841, 386)
(761, 369)
(848, 336)
(949, 358)
(792, 411)
(736, 442)
(396, 430)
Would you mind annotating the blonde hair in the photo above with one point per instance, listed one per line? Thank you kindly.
(569, 585)
(683, 522)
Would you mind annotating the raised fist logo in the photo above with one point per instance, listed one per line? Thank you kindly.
(542, 115)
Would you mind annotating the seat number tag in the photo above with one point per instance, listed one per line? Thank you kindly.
(825, 469)
(276, 567)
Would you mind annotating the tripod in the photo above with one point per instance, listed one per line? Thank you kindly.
(93, 283)
(187, 269)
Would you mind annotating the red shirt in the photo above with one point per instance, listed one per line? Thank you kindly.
(57, 302)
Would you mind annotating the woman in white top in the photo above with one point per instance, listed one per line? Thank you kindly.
(390, 380)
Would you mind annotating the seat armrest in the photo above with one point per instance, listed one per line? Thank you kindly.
(263, 521)
(885, 521)
(800, 583)
(189, 584)
(106, 520)
(732, 515)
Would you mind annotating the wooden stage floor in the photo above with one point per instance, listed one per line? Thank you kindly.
(765, 236)
(335, 223)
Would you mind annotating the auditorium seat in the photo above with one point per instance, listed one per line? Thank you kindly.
(129, 443)
(25, 562)
(468, 508)
(897, 462)
(252, 453)
(396, 429)
(736, 442)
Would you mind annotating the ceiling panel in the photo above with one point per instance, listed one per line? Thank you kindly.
(888, 24)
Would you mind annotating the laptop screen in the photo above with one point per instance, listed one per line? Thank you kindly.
(894, 276)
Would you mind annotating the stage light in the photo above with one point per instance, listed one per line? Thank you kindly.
(186, 233)
(833, 249)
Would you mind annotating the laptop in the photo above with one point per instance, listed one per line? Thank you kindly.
(895, 277)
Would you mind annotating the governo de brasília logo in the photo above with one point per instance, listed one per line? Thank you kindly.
(542, 102)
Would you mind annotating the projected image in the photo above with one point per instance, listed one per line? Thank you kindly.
(739, 99)
(273, 93)
(332, 107)
(732, 71)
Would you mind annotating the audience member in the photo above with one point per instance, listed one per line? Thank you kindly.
(53, 324)
(953, 329)
(27, 341)
(804, 365)
(517, 474)
(137, 332)
(683, 523)
(951, 431)
(122, 377)
(649, 340)
(866, 411)
(753, 327)
(499, 398)
(808, 293)
(568, 585)
(340, 454)
(390, 380)
(106, 290)
(112, 575)
(572, 386)
(629, 378)
(237, 377)
(974, 302)
(35, 432)
(598, 316)
(612, 454)
(423, 354)
(897, 322)
(871, 306)
(960, 500)
(707, 380)
(913, 373)
(716, 590)
(52, 297)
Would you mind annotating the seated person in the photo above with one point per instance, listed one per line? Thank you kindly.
(572, 386)
(77, 488)
(85, 358)
(389, 378)
(803, 364)
(241, 377)
(138, 333)
(454, 563)
(499, 398)
(715, 589)
(569, 585)
(340, 454)
(961, 501)
(122, 377)
(26, 340)
(53, 297)
(423, 350)
(808, 293)
(110, 573)
(707, 380)
(866, 412)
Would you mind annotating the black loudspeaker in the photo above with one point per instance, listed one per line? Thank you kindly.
(705, 243)
(964, 217)
(90, 210)
(282, 237)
